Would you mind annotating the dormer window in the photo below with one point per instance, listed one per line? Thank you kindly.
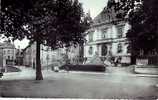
(104, 33)
(120, 31)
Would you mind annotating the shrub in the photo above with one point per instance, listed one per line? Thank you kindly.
(95, 68)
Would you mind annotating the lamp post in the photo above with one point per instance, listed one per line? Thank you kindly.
(1, 66)
(47, 58)
(3, 59)
(13, 58)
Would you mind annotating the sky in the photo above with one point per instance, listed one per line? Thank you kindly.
(94, 6)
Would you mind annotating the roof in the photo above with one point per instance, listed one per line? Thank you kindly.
(107, 15)
(7, 45)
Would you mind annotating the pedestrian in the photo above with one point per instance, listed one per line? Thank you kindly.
(116, 61)
(67, 68)
(67, 65)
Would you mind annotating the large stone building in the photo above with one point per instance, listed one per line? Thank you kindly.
(49, 57)
(107, 37)
(29, 55)
(7, 54)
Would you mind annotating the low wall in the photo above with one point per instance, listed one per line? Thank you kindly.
(146, 70)
(150, 60)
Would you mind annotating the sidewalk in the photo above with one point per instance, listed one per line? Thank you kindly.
(31, 70)
(146, 75)
(118, 71)
(23, 68)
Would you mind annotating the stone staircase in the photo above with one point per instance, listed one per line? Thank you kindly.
(95, 60)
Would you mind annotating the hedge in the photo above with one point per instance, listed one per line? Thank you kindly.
(95, 68)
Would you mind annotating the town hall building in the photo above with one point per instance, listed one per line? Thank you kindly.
(107, 37)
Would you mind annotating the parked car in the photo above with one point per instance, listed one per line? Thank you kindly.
(56, 68)
(2, 70)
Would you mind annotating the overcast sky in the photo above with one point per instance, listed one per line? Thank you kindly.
(94, 6)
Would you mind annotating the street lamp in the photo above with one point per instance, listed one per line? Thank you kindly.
(3, 69)
(2, 57)
(47, 57)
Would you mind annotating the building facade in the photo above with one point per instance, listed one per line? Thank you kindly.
(49, 57)
(7, 54)
(19, 57)
(107, 37)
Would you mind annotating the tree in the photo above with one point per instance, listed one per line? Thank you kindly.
(143, 17)
(55, 23)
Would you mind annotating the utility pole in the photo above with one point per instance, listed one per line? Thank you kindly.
(47, 57)
(3, 59)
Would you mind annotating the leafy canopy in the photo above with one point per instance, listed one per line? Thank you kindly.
(143, 17)
(55, 23)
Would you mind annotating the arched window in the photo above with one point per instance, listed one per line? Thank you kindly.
(8, 57)
(104, 50)
(119, 48)
(90, 50)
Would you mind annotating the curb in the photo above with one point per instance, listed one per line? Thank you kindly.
(104, 73)
(146, 75)
(94, 73)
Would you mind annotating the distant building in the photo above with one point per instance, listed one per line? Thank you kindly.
(19, 57)
(48, 56)
(107, 37)
(7, 54)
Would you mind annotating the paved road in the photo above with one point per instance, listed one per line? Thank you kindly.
(112, 84)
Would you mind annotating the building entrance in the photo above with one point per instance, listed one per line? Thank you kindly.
(104, 49)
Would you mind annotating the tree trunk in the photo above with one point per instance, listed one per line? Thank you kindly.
(133, 57)
(133, 60)
(38, 62)
(81, 53)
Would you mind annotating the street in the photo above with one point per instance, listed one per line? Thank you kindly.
(78, 85)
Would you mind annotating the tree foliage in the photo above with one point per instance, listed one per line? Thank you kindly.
(55, 23)
(143, 17)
